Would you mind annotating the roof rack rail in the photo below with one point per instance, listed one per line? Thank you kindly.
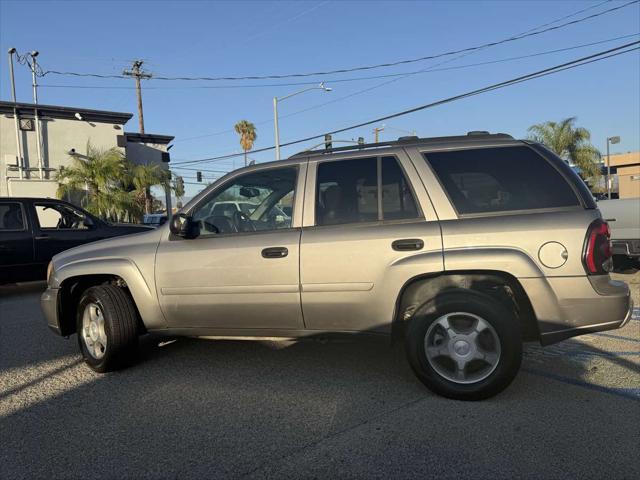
(472, 136)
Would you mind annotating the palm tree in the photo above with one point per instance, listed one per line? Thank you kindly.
(571, 143)
(99, 178)
(144, 176)
(248, 135)
(177, 185)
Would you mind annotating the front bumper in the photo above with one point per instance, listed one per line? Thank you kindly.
(49, 306)
(566, 307)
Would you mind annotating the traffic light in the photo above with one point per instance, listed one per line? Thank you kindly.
(360, 140)
(199, 176)
(327, 142)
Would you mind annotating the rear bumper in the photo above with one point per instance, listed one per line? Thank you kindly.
(569, 306)
(49, 306)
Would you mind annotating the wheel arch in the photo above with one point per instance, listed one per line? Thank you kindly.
(71, 290)
(76, 277)
(497, 284)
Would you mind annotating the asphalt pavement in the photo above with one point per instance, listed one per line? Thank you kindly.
(339, 408)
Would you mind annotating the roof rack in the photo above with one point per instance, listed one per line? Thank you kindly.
(473, 136)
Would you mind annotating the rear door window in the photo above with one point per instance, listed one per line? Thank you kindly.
(491, 180)
(363, 190)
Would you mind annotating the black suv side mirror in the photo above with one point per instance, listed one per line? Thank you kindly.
(181, 225)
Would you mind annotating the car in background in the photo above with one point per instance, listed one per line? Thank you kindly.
(33, 230)
(154, 219)
(623, 216)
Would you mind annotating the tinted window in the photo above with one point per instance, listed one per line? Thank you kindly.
(11, 217)
(249, 203)
(347, 192)
(397, 198)
(500, 179)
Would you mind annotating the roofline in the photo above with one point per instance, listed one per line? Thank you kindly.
(66, 113)
(148, 138)
(469, 138)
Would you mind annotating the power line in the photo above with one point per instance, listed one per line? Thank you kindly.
(395, 79)
(530, 76)
(365, 67)
(374, 77)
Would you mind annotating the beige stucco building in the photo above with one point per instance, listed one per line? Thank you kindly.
(628, 173)
(64, 131)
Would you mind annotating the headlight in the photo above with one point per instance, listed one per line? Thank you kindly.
(49, 271)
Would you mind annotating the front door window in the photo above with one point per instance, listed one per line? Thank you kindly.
(256, 201)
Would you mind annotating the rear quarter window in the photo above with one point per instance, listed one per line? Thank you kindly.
(491, 180)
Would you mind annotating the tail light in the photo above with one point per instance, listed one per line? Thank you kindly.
(597, 256)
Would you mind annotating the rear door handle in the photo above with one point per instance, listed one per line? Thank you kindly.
(275, 252)
(407, 244)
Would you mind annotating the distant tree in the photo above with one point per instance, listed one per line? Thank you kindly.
(571, 143)
(248, 136)
(143, 177)
(177, 186)
(99, 178)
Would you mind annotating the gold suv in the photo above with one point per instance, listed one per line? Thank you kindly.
(466, 246)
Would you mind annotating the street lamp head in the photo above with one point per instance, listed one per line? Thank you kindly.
(323, 87)
(34, 53)
(614, 140)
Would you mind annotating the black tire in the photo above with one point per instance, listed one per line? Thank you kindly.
(499, 316)
(120, 326)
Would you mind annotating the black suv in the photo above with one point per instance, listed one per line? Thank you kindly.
(33, 230)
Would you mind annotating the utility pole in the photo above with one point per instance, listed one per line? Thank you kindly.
(34, 83)
(613, 141)
(15, 114)
(376, 132)
(137, 73)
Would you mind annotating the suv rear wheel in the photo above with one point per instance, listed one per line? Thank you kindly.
(107, 326)
(464, 345)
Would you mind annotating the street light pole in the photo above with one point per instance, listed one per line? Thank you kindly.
(36, 118)
(321, 86)
(275, 126)
(15, 115)
(612, 141)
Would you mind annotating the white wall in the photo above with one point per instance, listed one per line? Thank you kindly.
(58, 137)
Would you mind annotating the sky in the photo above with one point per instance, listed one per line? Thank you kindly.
(247, 38)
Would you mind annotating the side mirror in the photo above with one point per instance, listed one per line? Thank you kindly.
(88, 222)
(181, 225)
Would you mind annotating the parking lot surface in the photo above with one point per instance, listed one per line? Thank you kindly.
(340, 408)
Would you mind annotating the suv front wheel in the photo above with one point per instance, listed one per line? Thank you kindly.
(107, 326)
(464, 345)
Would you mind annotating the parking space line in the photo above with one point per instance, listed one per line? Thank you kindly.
(618, 337)
(577, 353)
(630, 393)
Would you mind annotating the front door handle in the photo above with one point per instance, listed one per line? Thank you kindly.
(275, 252)
(407, 244)
(44, 236)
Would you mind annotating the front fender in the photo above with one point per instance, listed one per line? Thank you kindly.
(143, 294)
